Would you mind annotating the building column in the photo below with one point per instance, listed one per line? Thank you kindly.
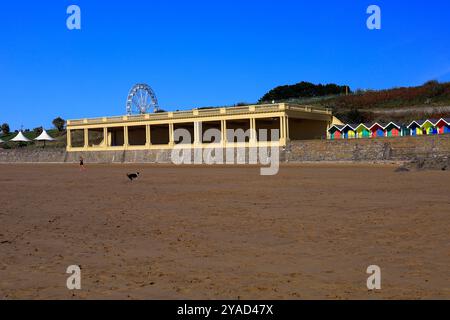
(197, 132)
(284, 128)
(69, 138)
(105, 137)
(148, 138)
(125, 137)
(171, 135)
(223, 129)
(282, 136)
(287, 129)
(86, 138)
(253, 135)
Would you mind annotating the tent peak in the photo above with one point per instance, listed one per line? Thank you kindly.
(44, 136)
(20, 138)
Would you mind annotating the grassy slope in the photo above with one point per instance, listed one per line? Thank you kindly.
(59, 143)
(398, 104)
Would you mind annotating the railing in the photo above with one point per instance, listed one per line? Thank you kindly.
(203, 113)
(310, 109)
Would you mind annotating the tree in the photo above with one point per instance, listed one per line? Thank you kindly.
(304, 90)
(431, 83)
(5, 128)
(59, 124)
(38, 130)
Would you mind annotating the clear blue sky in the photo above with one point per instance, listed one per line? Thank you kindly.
(203, 53)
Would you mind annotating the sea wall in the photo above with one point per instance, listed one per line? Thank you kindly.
(381, 149)
(164, 156)
(25, 155)
(29, 155)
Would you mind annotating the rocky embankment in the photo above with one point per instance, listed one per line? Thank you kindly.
(419, 164)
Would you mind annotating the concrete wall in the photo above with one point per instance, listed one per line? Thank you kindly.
(115, 136)
(303, 129)
(160, 134)
(381, 149)
(137, 136)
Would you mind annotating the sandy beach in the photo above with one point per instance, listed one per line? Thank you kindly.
(223, 232)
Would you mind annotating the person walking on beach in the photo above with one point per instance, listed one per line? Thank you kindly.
(82, 164)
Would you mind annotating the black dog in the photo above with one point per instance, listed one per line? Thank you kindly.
(133, 176)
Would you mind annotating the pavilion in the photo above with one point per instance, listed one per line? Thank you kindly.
(157, 130)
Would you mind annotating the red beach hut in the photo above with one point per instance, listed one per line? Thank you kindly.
(443, 126)
(377, 130)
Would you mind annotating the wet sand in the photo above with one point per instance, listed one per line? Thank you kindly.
(223, 232)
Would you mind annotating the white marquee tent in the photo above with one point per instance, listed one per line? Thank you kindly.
(20, 138)
(44, 136)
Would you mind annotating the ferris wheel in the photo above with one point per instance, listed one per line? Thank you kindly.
(141, 99)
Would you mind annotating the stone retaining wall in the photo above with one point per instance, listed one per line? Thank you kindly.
(381, 149)
(25, 155)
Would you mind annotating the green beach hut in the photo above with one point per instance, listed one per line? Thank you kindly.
(429, 128)
(393, 130)
(363, 131)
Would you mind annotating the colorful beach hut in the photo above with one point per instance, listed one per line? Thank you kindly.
(349, 131)
(405, 131)
(335, 132)
(428, 127)
(393, 130)
(363, 131)
(376, 130)
(415, 128)
(443, 126)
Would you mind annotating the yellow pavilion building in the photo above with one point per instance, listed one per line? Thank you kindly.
(156, 130)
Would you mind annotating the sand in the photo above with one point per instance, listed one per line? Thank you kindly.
(223, 232)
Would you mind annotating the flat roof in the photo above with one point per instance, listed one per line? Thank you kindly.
(223, 112)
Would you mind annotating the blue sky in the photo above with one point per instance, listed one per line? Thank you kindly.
(204, 53)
